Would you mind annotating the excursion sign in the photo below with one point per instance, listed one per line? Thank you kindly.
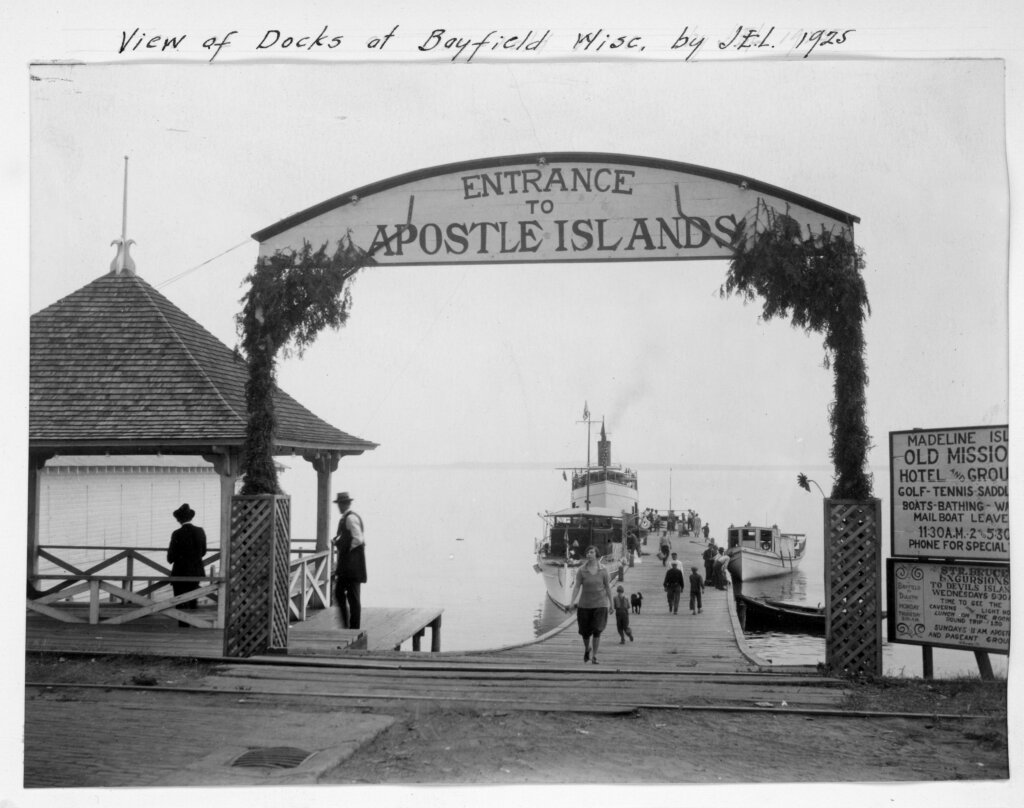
(564, 206)
(950, 496)
(957, 605)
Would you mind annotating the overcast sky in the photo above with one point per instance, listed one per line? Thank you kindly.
(494, 364)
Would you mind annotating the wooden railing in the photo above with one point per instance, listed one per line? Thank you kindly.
(65, 595)
(97, 593)
(310, 586)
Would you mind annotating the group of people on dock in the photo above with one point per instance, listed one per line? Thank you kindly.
(716, 563)
(675, 585)
(594, 601)
(688, 523)
(188, 546)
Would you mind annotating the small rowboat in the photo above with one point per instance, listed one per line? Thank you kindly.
(775, 615)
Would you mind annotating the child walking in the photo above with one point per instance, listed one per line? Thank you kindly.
(621, 605)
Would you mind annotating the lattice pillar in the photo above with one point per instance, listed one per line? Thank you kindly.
(853, 591)
(257, 573)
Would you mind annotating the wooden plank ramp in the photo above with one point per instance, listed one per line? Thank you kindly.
(711, 640)
(318, 636)
(677, 661)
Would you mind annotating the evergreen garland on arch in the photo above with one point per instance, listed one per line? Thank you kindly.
(815, 279)
(292, 296)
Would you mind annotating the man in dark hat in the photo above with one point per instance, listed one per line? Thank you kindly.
(351, 564)
(185, 555)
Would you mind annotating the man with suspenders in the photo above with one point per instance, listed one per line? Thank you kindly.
(350, 569)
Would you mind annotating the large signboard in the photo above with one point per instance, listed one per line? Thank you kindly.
(954, 605)
(950, 495)
(562, 206)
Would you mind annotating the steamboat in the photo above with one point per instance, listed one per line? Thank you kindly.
(603, 508)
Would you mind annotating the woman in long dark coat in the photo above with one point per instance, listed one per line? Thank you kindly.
(185, 555)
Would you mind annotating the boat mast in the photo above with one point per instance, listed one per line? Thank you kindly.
(586, 417)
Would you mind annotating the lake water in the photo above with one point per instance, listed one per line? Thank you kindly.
(462, 538)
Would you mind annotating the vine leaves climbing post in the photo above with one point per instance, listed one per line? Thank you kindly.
(292, 296)
(814, 278)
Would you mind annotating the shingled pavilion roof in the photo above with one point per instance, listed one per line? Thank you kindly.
(116, 367)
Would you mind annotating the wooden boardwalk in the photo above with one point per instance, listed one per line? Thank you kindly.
(383, 629)
(711, 641)
(679, 660)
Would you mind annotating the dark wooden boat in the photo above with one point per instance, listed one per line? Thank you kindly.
(775, 615)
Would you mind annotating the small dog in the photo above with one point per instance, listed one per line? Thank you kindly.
(636, 600)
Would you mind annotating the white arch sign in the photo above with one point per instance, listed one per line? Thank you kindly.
(554, 207)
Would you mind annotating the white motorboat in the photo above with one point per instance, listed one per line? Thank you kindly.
(763, 552)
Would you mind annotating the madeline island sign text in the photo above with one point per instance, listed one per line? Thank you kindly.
(546, 207)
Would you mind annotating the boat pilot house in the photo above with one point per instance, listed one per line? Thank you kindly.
(763, 552)
(574, 530)
(763, 538)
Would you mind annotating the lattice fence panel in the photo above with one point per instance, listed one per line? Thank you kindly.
(257, 601)
(281, 576)
(853, 596)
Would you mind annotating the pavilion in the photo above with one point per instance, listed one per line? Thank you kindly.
(116, 368)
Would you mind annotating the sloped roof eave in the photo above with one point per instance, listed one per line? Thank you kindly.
(116, 366)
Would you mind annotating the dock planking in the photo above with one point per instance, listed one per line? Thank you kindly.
(318, 636)
(676, 661)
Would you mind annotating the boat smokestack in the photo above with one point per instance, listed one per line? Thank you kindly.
(604, 449)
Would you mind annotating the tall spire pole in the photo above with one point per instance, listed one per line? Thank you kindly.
(586, 417)
(588, 464)
(123, 263)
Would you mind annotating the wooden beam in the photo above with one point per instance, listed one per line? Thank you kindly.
(435, 635)
(227, 464)
(36, 461)
(984, 665)
(325, 463)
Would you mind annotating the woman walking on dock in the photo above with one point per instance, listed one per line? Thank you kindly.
(594, 590)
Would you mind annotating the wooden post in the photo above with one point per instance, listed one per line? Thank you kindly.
(258, 575)
(227, 466)
(36, 462)
(853, 586)
(129, 584)
(984, 665)
(928, 671)
(325, 463)
(94, 602)
(435, 635)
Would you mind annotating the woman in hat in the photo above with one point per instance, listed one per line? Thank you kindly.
(185, 555)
